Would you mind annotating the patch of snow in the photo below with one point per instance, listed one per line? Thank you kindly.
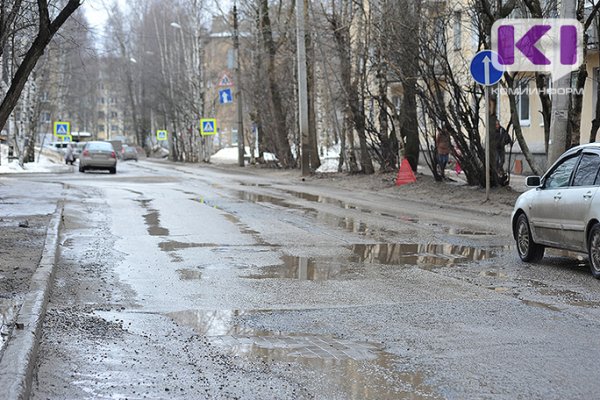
(47, 164)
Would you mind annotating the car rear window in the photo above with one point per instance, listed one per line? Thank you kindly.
(102, 146)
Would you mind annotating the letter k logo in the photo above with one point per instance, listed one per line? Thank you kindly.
(544, 45)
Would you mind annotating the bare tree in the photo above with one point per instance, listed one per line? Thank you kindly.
(46, 29)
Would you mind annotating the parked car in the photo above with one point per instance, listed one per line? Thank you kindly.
(128, 153)
(563, 208)
(98, 155)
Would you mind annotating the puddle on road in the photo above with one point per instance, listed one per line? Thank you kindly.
(418, 254)
(152, 219)
(348, 223)
(467, 232)
(255, 184)
(539, 304)
(422, 255)
(173, 245)
(356, 369)
(186, 274)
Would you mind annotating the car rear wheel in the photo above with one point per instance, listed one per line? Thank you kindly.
(528, 250)
(594, 250)
(113, 170)
(81, 169)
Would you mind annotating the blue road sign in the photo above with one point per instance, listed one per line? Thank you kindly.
(208, 126)
(486, 68)
(225, 96)
(62, 128)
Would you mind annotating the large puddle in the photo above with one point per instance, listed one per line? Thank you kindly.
(366, 256)
(352, 369)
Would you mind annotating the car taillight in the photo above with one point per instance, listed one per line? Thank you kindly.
(113, 155)
(86, 153)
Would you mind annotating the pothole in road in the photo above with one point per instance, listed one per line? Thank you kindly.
(186, 274)
(152, 219)
(360, 369)
(422, 255)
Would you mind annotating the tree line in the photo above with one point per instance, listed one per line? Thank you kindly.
(384, 76)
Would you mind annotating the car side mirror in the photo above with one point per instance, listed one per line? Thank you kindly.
(533, 181)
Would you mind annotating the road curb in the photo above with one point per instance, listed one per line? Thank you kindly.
(18, 360)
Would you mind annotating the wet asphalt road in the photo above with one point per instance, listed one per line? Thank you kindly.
(187, 282)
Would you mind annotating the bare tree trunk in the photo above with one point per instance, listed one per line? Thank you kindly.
(315, 161)
(517, 126)
(284, 152)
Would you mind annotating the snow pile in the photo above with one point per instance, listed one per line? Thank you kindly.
(229, 155)
(330, 160)
(46, 164)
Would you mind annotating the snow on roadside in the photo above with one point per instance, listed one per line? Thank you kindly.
(46, 164)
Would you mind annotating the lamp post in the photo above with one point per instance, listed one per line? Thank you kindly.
(238, 77)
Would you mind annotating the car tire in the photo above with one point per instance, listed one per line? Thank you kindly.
(594, 250)
(81, 169)
(528, 250)
(113, 170)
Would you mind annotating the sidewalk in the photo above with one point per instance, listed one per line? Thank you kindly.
(29, 222)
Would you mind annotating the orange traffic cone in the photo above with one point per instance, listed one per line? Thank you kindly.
(405, 174)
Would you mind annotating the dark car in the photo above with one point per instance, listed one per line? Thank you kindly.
(129, 153)
(98, 155)
(563, 208)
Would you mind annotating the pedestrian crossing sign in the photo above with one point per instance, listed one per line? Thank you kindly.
(161, 135)
(62, 129)
(208, 126)
(225, 81)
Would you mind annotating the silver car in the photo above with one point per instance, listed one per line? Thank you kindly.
(562, 210)
(98, 155)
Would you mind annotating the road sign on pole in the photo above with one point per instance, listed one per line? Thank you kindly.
(487, 70)
(225, 81)
(208, 126)
(62, 129)
(161, 135)
(225, 96)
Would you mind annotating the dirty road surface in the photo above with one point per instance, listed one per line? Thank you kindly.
(187, 282)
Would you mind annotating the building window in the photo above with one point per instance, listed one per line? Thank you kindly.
(523, 103)
(44, 96)
(114, 114)
(100, 114)
(46, 118)
(114, 128)
(101, 100)
(457, 30)
(100, 128)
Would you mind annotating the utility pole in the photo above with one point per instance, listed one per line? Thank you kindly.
(302, 87)
(560, 101)
(238, 77)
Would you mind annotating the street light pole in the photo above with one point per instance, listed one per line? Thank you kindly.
(302, 87)
(238, 78)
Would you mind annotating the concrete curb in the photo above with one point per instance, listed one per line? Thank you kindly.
(20, 354)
